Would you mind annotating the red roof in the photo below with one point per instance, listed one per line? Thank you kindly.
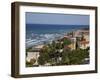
(84, 42)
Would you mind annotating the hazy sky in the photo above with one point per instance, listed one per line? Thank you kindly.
(61, 19)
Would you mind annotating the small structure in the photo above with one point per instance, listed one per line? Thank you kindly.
(34, 54)
(84, 44)
(73, 43)
(81, 32)
(82, 38)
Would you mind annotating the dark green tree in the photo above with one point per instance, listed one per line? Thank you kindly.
(65, 57)
(44, 55)
(77, 56)
(66, 41)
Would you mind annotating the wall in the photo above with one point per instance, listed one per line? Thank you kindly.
(5, 40)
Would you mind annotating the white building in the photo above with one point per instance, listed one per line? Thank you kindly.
(34, 54)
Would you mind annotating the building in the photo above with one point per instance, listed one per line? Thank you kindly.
(83, 39)
(73, 43)
(80, 38)
(84, 44)
(34, 54)
(79, 33)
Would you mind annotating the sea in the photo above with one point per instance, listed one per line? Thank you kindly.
(37, 34)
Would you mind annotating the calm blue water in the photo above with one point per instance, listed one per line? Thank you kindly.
(40, 33)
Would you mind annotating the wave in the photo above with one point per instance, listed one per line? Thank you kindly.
(41, 39)
(40, 34)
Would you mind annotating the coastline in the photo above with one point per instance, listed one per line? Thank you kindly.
(76, 42)
(47, 38)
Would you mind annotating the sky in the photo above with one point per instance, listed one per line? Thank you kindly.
(54, 18)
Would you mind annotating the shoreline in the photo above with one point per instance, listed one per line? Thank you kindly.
(34, 42)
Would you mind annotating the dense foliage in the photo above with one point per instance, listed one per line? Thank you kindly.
(55, 54)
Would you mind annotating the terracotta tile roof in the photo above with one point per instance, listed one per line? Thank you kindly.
(84, 42)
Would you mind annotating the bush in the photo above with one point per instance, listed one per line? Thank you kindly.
(32, 61)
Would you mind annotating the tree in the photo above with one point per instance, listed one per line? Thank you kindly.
(65, 57)
(44, 55)
(58, 45)
(41, 60)
(77, 56)
(66, 41)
